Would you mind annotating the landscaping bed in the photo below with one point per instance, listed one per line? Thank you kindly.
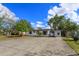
(74, 45)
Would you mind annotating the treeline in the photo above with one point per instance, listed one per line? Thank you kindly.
(67, 26)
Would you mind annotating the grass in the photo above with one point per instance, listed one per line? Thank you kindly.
(2, 38)
(13, 37)
(74, 45)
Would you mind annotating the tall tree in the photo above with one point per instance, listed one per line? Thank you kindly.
(56, 21)
(61, 23)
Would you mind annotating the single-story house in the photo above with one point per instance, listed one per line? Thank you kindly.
(45, 32)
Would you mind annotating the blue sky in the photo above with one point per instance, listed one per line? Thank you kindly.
(39, 13)
(31, 12)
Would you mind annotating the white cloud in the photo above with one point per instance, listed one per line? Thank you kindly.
(39, 25)
(32, 23)
(70, 6)
(39, 22)
(49, 16)
(67, 9)
(51, 12)
(7, 14)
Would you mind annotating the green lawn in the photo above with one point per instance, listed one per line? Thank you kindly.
(74, 45)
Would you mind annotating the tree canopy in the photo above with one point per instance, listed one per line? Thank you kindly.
(23, 26)
(61, 23)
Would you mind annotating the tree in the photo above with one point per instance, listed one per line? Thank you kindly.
(56, 21)
(23, 26)
(1, 22)
(39, 31)
(61, 23)
(6, 24)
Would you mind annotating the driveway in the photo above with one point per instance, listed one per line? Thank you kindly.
(35, 46)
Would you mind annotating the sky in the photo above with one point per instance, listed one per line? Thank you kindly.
(38, 14)
(34, 13)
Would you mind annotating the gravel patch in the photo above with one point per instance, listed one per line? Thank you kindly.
(35, 46)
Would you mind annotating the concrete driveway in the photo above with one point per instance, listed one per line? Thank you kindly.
(35, 46)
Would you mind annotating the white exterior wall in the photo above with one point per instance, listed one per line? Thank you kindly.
(57, 33)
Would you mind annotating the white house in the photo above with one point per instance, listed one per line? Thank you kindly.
(46, 32)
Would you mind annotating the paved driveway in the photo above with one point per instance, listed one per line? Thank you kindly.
(32, 46)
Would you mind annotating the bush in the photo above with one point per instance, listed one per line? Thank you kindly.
(14, 33)
(75, 36)
(39, 33)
